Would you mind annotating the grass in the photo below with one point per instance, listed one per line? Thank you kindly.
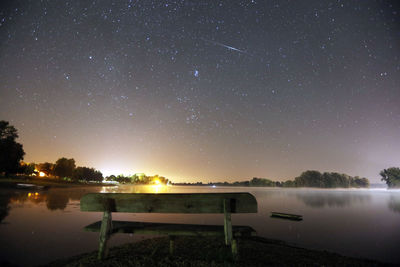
(199, 252)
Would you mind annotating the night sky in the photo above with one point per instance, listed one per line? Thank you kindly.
(204, 90)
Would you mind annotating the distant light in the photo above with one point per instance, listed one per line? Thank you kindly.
(196, 73)
(213, 186)
(42, 174)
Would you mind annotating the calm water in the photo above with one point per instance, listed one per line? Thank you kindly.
(40, 227)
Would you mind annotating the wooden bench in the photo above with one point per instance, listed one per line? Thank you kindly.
(197, 203)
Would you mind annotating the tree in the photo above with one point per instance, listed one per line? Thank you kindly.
(261, 182)
(360, 182)
(310, 179)
(87, 174)
(111, 178)
(27, 168)
(391, 176)
(46, 167)
(11, 152)
(64, 167)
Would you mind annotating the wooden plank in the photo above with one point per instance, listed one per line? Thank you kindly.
(170, 203)
(172, 229)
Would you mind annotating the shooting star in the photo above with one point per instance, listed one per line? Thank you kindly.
(226, 46)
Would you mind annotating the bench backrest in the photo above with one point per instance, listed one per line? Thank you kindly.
(169, 203)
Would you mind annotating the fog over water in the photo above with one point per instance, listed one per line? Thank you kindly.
(48, 225)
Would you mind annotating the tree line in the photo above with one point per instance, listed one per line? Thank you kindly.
(138, 179)
(309, 178)
(63, 168)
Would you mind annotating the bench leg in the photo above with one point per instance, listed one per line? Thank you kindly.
(105, 232)
(227, 222)
(234, 248)
(171, 245)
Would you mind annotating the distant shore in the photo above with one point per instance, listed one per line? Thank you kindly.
(190, 251)
(46, 182)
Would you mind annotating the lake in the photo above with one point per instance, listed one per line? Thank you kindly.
(41, 226)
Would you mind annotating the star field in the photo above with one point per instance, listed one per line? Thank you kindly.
(205, 90)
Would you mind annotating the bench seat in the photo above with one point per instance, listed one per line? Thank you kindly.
(171, 229)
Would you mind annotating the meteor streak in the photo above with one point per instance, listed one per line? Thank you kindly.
(226, 46)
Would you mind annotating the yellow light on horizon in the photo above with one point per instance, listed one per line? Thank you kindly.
(42, 174)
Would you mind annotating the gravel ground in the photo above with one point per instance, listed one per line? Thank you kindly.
(192, 251)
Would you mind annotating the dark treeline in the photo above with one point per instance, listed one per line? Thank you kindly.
(138, 179)
(64, 169)
(306, 179)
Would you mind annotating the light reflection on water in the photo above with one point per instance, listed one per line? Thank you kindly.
(47, 225)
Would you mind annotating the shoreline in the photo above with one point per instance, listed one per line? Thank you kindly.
(11, 182)
(192, 251)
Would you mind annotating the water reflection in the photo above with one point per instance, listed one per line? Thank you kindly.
(137, 189)
(54, 199)
(394, 204)
(332, 199)
(5, 198)
(58, 199)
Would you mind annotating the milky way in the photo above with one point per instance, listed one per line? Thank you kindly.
(131, 86)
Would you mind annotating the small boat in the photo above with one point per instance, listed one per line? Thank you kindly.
(286, 216)
(31, 186)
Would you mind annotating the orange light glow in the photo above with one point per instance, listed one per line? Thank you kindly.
(42, 174)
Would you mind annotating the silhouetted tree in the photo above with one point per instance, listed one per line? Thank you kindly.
(46, 167)
(360, 182)
(111, 178)
(64, 167)
(27, 169)
(87, 174)
(289, 183)
(11, 152)
(261, 182)
(310, 179)
(391, 176)
(328, 180)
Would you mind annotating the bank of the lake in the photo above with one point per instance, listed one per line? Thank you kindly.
(12, 182)
(190, 251)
